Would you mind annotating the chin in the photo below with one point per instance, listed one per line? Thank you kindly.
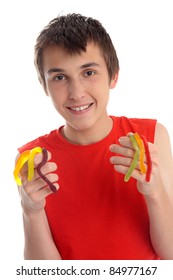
(81, 126)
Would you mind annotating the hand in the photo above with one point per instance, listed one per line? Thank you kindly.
(122, 161)
(33, 194)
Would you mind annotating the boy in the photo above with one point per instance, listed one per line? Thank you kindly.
(94, 214)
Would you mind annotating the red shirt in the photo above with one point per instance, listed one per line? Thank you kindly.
(95, 214)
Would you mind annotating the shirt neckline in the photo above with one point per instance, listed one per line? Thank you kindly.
(110, 138)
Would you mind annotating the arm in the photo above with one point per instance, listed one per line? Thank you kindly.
(158, 192)
(160, 201)
(39, 244)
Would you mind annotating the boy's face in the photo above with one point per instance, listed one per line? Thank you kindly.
(78, 85)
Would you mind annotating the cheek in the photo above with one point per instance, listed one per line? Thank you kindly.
(104, 97)
(56, 95)
(103, 94)
(53, 88)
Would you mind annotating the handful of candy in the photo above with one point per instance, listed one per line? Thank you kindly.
(28, 156)
(140, 145)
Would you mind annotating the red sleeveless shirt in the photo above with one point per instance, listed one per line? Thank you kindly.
(95, 215)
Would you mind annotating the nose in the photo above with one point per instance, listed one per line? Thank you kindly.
(76, 90)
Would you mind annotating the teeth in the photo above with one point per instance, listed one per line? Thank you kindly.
(81, 108)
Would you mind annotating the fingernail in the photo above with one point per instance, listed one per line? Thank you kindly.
(111, 148)
(112, 160)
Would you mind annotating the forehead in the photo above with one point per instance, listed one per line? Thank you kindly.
(56, 54)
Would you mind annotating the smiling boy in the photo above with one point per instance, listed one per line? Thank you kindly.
(83, 83)
(94, 214)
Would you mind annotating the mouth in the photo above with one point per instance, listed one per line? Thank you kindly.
(81, 108)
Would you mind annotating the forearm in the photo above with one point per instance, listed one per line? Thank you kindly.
(160, 211)
(39, 244)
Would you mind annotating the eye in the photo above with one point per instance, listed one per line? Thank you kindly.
(89, 73)
(59, 78)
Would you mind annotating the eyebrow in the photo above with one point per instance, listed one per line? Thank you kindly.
(52, 70)
(86, 65)
(90, 64)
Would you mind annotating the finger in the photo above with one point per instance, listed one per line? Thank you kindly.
(117, 160)
(35, 201)
(121, 150)
(47, 190)
(136, 174)
(49, 167)
(129, 152)
(125, 141)
(38, 184)
(43, 193)
(37, 159)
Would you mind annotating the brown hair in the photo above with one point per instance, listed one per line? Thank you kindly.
(73, 32)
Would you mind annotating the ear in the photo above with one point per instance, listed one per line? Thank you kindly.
(114, 80)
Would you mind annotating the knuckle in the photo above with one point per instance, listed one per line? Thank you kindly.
(49, 167)
(53, 177)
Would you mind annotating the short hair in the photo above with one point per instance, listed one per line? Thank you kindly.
(73, 32)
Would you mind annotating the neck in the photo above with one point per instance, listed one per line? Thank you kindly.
(91, 135)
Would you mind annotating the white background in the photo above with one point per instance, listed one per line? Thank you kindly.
(141, 31)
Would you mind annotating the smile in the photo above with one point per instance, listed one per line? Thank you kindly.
(80, 108)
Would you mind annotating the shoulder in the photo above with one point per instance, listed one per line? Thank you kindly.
(164, 150)
(163, 143)
(160, 132)
(162, 139)
(143, 126)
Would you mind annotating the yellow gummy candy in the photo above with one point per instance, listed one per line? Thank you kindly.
(32, 154)
(139, 147)
(22, 159)
(29, 156)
